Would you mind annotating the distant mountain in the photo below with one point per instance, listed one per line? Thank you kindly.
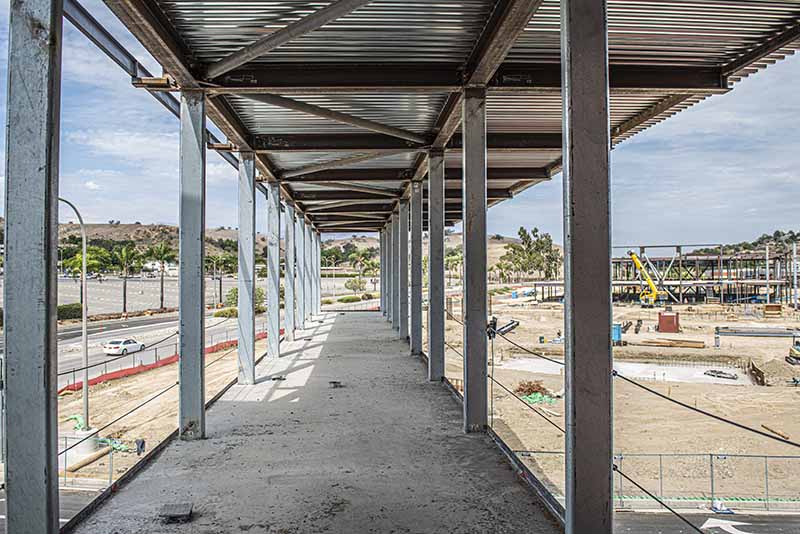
(218, 240)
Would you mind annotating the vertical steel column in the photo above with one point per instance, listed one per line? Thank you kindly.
(766, 270)
(436, 291)
(191, 410)
(289, 273)
(396, 271)
(474, 244)
(307, 292)
(389, 230)
(416, 268)
(382, 236)
(300, 256)
(246, 319)
(403, 258)
(318, 273)
(31, 254)
(273, 269)
(587, 271)
(794, 274)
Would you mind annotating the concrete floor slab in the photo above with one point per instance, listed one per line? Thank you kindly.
(383, 453)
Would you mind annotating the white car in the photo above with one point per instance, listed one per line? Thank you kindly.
(122, 346)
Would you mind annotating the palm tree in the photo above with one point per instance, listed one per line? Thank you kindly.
(126, 257)
(371, 268)
(163, 254)
(358, 260)
(214, 261)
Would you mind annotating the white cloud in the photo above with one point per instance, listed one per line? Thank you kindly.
(91, 185)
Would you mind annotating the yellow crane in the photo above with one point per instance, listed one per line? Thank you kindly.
(650, 294)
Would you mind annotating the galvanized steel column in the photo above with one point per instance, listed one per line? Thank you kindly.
(246, 320)
(436, 289)
(31, 253)
(300, 285)
(587, 261)
(403, 258)
(382, 260)
(317, 273)
(416, 268)
(192, 231)
(389, 229)
(289, 273)
(474, 245)
(307, 292)
(273, 269)
(396, 271)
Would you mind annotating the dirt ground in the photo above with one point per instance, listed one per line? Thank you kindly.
(152, 422)
(647, 425)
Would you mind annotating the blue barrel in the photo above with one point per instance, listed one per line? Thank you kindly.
(616, 333)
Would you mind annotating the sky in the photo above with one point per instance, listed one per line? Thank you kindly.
(725, 170)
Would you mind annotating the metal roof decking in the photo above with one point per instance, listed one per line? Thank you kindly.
(403, 65)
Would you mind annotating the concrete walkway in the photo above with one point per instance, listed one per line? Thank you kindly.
(383, 453)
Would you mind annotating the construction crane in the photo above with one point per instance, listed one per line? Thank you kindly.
(650, 294)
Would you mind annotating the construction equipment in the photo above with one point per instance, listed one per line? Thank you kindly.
(650, 295)
(794, 351)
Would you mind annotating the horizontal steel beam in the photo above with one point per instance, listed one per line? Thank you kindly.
(379, 206)
(343, 162)
(775, 43)
(378, 143)
(311, 78)
(322, 195)
(403, 175)
(546, 77)
(102, 38)
(338, 116)
(305, 25)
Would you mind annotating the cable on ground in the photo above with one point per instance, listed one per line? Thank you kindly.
(703, 412)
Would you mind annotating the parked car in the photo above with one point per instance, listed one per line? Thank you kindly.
(716, 373)
(122, 346)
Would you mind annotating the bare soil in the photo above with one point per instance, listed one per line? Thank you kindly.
(646, 424)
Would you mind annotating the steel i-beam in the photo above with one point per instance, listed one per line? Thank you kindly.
(30, 289)
(191, 408)
(246, 321)
(474, 245)
(587, 271)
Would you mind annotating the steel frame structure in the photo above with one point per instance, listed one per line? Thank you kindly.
(540, 85)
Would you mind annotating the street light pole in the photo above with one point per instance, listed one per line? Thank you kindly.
(84, 314)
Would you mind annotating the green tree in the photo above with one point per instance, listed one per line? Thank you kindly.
(232, 297)
(97, 259)
(371, 269)
(127, 258)
(163, 254)
(229, 263)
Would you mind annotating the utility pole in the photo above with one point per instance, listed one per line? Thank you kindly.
(84, 316)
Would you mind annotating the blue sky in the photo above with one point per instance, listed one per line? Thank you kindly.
(725, 170)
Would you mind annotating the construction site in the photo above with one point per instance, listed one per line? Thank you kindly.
(486, 384)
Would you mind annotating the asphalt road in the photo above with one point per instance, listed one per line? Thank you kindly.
(145, 330)
(143, 293)
(666, 523)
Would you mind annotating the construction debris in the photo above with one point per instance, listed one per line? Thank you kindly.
(176, 512)
(776, 432)
(671, 343)
(529, 387)
(746, 331)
